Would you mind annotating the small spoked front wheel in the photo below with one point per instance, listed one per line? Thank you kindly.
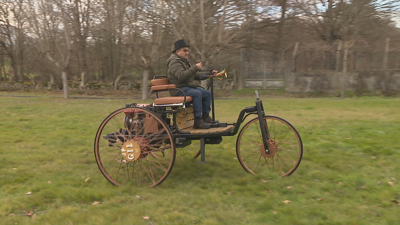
(133, 145)
(284, 142)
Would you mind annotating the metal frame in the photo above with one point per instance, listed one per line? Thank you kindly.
(179, 135)
(257, 110)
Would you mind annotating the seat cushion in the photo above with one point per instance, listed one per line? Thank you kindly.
(163, 87)
(172, 100)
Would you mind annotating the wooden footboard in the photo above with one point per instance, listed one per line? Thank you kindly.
(185, 121)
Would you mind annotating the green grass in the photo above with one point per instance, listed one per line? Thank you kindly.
(351, 153)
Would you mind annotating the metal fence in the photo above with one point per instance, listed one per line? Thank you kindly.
(261, 73)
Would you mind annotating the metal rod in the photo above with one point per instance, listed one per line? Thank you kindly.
(212, 98)
(263, 124)
(202, 151)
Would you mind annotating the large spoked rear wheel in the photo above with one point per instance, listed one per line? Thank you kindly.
(285, 147)
(133, 145)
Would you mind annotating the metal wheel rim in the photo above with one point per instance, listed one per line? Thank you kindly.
(157, 150)
(286, 152)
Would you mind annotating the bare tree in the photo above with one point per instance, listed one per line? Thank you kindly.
(109, 34)
(213, 28)
(147, 41)
(210, 26)
(116, 39)
(353, 20)
(80, 13)
(49, 23)
(12, 35)
(283, 4)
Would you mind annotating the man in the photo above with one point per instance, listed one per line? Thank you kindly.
(184, 76)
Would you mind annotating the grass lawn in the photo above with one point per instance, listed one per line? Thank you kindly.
(349, 173)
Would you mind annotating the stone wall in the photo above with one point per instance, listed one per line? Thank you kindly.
(330, 81)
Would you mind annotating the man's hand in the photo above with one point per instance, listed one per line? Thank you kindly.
(199, 65)
(214, 72)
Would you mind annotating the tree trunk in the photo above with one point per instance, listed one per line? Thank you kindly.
(20, 53)
(386, 54)
(344, 73)
(14, 68)
(116, 82)
(386, 78)
(328, 30)
(82, 85)
(145, 89)
(240, 77)
(296, 47)
(2, 66)
(279, 34)
(338, 53)
(51, 82)
(64, 78)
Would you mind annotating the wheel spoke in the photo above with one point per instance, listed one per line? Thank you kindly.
(126, 152)
(285, 147)
(190, 151)
(285, 157)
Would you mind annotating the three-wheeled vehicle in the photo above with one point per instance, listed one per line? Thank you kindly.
(139, 143)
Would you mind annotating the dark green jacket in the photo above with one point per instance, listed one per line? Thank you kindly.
(181, 73)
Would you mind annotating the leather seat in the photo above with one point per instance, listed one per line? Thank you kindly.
(163, 84)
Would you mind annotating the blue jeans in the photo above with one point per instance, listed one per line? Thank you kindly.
(201, 99)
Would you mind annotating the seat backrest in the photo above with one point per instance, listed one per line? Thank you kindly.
(161, 84)
(161, 81)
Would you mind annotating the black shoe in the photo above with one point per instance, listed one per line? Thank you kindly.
(200, 124)
(208, 119)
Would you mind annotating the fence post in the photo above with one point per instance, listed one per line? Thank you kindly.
(338, 52)
(386, 77)
(296, 46)
(263, 66)
(386, 54)
(240, 77)
(344, 71)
